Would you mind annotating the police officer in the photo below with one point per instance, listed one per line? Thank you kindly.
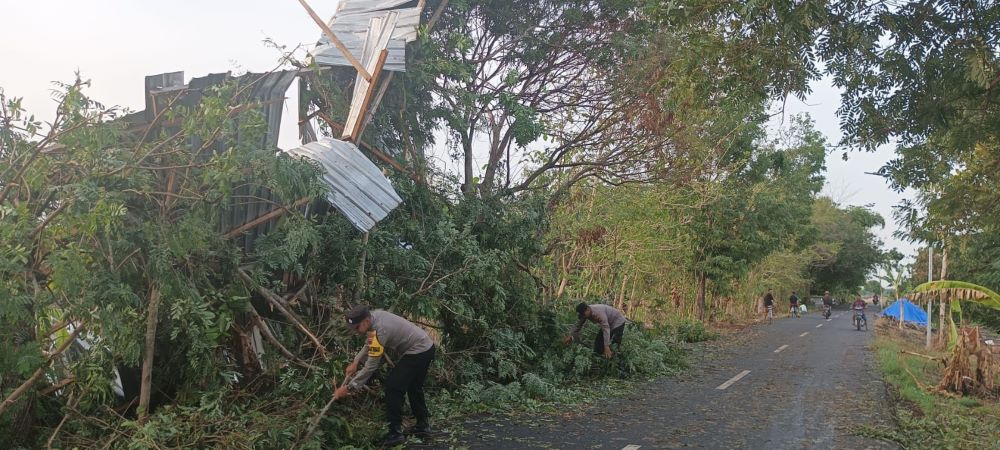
(393, 337)
(612, 324)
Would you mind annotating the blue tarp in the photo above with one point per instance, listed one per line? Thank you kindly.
(911, 313)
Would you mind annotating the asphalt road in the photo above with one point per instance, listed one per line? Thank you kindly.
(799, 383)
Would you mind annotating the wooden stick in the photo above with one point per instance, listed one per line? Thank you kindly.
(356, 132)
(336, 42)
(367, 117)
(266, 331)
(932, 358)
(322, 413)
(59, 385)
(12, 398)
(275, 301)
(274, 213)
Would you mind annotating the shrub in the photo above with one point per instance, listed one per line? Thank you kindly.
(694, 331)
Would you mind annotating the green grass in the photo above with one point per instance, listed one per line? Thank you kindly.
(928, 420)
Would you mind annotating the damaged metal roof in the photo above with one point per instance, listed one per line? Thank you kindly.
(357, 188)
(352, 23)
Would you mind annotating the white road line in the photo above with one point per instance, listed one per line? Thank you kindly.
(631, 447)
(781, 348)
(732, 380)
(828, 320)
(817, 326)
(804, 334)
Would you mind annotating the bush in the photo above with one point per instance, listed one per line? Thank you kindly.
(536, 387)
(649, 356)
(694, 331)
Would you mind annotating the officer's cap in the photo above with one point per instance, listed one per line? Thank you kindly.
(356, 315)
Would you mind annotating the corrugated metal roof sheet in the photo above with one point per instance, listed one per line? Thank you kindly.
(357, 188)
(265, 92)
(354, 6)
(351, 24)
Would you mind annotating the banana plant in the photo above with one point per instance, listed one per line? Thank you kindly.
(958, 291)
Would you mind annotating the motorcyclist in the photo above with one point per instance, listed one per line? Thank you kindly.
(827, 302)
(859, 306)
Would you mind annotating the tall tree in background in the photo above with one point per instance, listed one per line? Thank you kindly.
(925, 76)
(738, 216)
(848, 250)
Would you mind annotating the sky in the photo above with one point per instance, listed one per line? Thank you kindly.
(116, 43)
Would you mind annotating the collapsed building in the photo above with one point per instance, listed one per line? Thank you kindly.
(367, 35)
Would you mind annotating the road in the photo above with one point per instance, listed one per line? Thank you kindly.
(799, 383)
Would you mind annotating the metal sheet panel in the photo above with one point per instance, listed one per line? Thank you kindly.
(357, 188)
(361, 6)
(378, 39)
(351, 25)
(328, 55)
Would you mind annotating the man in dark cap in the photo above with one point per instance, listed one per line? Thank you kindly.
(397, 339)
(612, 324)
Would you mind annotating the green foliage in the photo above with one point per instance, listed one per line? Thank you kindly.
(847, 249)
(103, 219)
(694, 331)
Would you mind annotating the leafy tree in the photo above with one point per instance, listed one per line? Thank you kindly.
(847, 249)
(753, 209)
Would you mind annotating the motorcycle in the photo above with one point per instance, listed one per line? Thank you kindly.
(859, 319)
(826, 311)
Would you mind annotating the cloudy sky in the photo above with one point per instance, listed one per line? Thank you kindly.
(115, 43)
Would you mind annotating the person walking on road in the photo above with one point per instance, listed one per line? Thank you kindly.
(391, 336)
(793, 302)
(611, 321)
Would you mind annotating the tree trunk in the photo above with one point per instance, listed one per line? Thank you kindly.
(619, 303)
(356, 297)
(944, 263)
(468, 186)
(701, 296)
(943, 320)
(152, 317)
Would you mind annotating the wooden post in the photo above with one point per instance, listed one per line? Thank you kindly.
(930, 299)
(945, 299)
(355, 134)
(902, 313)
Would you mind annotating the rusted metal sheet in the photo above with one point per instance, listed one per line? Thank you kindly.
(352, 23)
(357, 188)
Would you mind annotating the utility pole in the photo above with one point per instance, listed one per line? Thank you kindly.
(930, 299)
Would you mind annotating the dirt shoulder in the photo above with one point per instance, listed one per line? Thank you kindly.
(926, 419)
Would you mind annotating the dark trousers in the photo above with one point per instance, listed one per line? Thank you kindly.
(616, 338)
(407, 380)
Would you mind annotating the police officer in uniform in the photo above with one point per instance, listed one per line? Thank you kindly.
(399, 340)
(611, 321)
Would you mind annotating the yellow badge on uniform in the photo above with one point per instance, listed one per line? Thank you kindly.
(374, 346)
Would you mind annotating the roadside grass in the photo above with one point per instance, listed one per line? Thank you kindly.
(925, 419)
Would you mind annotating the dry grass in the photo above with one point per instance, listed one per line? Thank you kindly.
(928, 418)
